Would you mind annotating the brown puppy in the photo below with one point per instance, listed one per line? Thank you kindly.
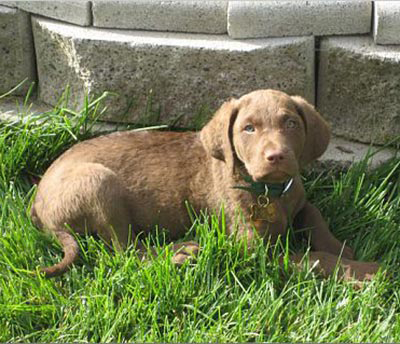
(247, 157)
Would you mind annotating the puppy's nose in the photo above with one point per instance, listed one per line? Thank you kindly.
(275, 156)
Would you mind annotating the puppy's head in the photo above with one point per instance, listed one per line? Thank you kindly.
(270, 132)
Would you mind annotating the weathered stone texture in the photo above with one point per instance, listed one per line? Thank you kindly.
(180, 16)
(9, 3)
(342, 153)
(71, 11)
(184, 73)
(16, 50)
(359, 88)
(279, 18)
(387, 22)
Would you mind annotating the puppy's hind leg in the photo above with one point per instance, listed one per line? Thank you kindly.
(88, 198)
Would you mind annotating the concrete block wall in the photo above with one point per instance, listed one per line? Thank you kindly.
(279, 18)
(200, 16)
(72, 11)
(387, 22)
(343, 55)
(16, 50)
(359, 88)
(183, 71)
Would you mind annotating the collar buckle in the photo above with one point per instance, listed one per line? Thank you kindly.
(287, 187)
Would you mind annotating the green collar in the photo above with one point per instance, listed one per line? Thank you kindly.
(268, 189)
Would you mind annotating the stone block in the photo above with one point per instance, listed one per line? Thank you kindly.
(359, 88)
(180, 16)
(180, 74)
(342, 153)
(71, 11)
(279, 18)
(387, 22)
(16, 50)
(9, 3)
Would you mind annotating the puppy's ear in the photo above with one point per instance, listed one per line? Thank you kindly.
(216, 136)
(317, 131)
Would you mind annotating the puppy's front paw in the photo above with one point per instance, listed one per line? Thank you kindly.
(361, 271)
(185, 251)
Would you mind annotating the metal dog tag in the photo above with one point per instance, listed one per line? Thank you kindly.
(267, 212)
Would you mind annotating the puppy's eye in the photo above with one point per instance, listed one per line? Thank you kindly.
(291, 124)
(249, 128)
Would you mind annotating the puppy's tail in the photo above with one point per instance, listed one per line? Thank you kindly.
(71, 252)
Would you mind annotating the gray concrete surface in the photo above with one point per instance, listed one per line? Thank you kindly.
(341, 153)
(387, 22)
(17, 61)
(279, 18)
(72, 11)
(183, 75)
(359, 88)
(180, 16)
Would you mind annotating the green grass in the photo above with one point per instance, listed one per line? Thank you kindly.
(223, 296)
